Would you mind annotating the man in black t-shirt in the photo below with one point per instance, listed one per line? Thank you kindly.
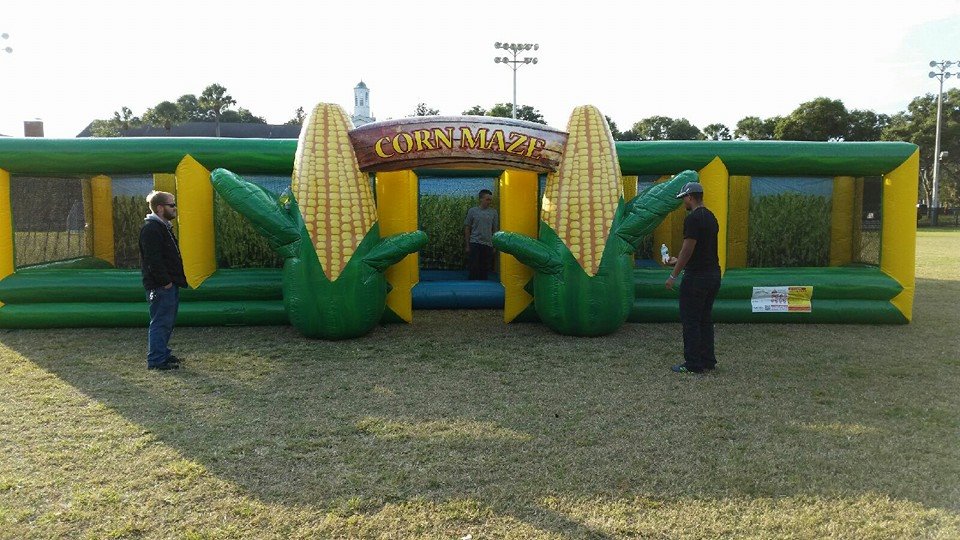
(701, 280)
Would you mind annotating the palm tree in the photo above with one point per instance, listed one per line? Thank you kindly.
(215, 100)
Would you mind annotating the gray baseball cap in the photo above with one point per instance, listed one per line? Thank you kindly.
(690, 187)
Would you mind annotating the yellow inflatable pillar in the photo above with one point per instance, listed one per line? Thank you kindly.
(738, 222)
(898, 245)
(6, 227)
(167, 182)
(518, 213)
(841, 220)
(670, 230)
(195, 215)
(397, 210)
(101, 190)
(629, 187)
(716, 180)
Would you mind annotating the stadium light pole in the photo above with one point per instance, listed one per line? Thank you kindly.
(943, 66)
(514, 64)
(6, 49)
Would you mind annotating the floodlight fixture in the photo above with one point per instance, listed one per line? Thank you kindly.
(515, 63)
(940, 76)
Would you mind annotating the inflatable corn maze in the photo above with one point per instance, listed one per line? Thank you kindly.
(339, 212)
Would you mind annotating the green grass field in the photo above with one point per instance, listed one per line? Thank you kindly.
(459, 424)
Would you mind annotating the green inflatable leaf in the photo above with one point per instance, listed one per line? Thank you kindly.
(533, 253)
(392, 249)
(347, 307)
(280, 226)
(645, 211)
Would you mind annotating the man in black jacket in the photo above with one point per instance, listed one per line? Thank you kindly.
(162, 270)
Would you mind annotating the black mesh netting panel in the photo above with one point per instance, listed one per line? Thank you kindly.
(50, 220)
(866, 235)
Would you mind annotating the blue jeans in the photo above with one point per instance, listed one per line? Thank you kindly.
(697, 293)
(164, 304)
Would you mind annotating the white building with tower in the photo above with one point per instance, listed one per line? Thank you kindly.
(361, 105)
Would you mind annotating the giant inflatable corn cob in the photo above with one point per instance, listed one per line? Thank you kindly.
(583, 261)
(327, 232)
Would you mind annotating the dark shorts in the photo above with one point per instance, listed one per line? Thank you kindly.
(480, 261)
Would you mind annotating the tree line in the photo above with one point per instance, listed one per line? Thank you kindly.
(213, 105)
(822, 119)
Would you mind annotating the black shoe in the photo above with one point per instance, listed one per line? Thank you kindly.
(174, 360)
(165, 366)
(682, 368)
(710, 367)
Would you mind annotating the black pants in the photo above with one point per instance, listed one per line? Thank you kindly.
(697, 293)
(480, 261)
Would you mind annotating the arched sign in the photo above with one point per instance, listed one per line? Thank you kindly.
(426, 141)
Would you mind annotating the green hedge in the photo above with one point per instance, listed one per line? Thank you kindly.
(786, 230)
(237, 244)
(441, 217)
(128, 214)
(789, 229)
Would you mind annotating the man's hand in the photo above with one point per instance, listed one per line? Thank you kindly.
(467, 249)
(680, 261)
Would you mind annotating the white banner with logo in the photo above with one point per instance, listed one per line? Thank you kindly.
(793, 299)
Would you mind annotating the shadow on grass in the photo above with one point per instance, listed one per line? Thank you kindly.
(515, 417)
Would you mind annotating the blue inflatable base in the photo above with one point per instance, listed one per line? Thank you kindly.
(450, 289)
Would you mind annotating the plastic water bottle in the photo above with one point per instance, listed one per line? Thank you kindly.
(285, 199)
(664, 253)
